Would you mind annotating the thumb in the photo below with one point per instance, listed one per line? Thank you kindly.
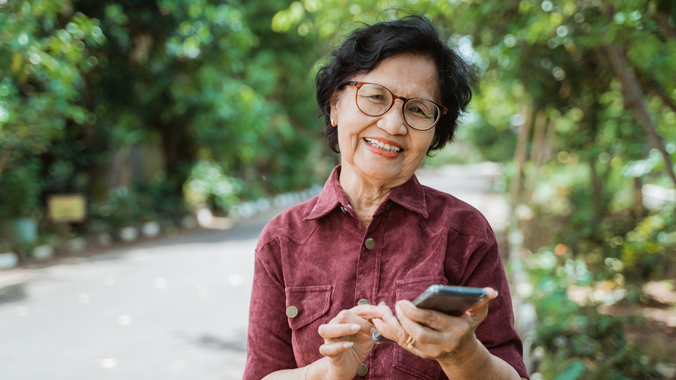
(479, 311)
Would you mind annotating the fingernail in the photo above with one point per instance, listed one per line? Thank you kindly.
(355, 327)
(496, 294)
(382, 304)
(373, 330)
(348, 344)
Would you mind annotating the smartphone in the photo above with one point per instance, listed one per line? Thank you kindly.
(451, 300)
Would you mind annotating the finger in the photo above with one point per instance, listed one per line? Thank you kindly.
(345, 316)
(479, 311)
(421, 334)
(349, 317)
(338, 331)
(371, 311)
(333, 349)
(433, 319)
(381, 312)
(385, 322)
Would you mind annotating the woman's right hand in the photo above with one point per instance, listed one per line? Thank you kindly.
(347, 343)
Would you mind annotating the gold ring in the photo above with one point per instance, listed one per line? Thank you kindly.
(410, 342)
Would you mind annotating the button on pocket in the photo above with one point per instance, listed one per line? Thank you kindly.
(291, 311)
(427, 369)
(310, 302)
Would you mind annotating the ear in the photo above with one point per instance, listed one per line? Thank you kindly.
(334, 109)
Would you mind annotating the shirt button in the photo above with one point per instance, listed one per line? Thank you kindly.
(363, 370)
(370, 244)
(363, 301)
(344, 210)
(291, 311)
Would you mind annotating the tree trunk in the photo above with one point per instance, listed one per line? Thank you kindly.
(656, 89)
(663, 21)
(520, 154)
(536, 152)
(178, 150)
(638, 209)
(633, 92)
(4, 157)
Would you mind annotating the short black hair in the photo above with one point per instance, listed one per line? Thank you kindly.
(367, 46)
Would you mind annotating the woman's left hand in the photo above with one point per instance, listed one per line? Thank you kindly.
(437, 335)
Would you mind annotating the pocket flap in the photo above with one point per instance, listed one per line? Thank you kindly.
(410, 288)
(311, 302)
(426, 369)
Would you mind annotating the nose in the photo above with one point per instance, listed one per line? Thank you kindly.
(393, 121)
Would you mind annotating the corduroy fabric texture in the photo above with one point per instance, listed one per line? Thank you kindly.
(312, 256)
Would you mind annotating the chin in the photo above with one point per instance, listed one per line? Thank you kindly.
(382, 172)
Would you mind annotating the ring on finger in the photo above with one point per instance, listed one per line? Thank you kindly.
(410, 342)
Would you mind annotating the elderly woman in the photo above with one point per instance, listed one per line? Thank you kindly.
(331, 271)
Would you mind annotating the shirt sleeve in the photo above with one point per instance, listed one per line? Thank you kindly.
(269, 346)
(497, 331)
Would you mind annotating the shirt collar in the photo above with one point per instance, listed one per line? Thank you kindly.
(410, 195)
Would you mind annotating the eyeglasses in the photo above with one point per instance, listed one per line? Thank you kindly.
(375, 100)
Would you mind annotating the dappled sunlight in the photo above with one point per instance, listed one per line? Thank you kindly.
(143, 148)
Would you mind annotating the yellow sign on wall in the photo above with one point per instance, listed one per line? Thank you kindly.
(67, 208)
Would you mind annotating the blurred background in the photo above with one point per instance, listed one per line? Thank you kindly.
(144, 144)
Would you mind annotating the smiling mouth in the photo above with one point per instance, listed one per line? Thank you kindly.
(382, 146)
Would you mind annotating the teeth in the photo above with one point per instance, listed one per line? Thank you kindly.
(382, 146)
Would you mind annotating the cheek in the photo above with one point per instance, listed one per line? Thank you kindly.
(347, 140)
(423, 144)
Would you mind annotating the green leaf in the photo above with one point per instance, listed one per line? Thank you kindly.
(573, 371)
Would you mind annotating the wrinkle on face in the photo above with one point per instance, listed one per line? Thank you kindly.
(366, 175)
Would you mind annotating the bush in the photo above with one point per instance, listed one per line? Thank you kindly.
(208, 186)
(574, 340)
(20, 190)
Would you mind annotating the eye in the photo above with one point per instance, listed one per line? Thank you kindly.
(372, 96)
(417, 111)
(374, 93)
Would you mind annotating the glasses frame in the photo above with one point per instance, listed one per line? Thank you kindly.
(442, 110)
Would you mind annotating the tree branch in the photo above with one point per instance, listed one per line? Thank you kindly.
(663, 21)
(656, 89)
(520, 154)
(4, 157)
(633, 91)
(536, 152)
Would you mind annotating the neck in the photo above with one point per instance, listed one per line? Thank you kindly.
(364, 195)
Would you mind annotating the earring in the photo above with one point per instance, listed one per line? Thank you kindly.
(333, 123)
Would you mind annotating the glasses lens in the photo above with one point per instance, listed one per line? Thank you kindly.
(421, 114)
(373, 100)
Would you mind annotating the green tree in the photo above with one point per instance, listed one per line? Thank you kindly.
(42, 57)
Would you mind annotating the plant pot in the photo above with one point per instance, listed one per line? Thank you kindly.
(77, 244)
(43, 252)
(189, 222)
(151, 229)
(104, 239)
(128, 234)
(19, 230)
(8, 260)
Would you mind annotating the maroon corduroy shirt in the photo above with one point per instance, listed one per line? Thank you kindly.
(313, 256)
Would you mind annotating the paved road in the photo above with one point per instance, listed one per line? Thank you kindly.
(166, 309)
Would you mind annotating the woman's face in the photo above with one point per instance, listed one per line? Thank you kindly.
(407, 75)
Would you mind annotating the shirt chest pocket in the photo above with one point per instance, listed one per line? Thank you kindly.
(305, 307)
(305, 304)
(427, 369)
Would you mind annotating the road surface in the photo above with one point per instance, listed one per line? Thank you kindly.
(165, 309)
